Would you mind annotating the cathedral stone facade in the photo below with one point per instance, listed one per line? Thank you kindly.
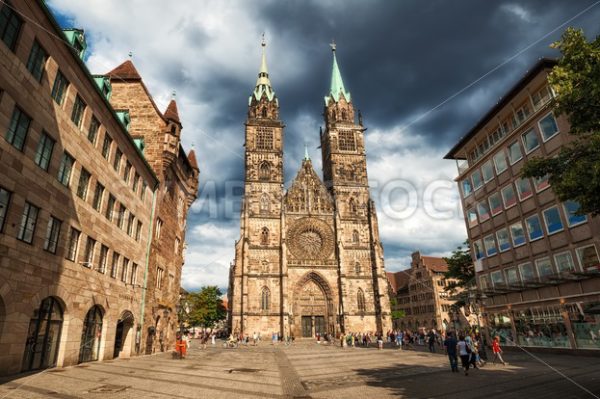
(309, 259)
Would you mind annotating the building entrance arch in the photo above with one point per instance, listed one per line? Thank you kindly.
(43, 337)
(312, 307)
(91, 335)
(123, 335)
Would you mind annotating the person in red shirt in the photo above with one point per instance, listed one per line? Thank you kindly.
(497, 351)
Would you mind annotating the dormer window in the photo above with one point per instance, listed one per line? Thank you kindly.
(77, 41)
(173, 129)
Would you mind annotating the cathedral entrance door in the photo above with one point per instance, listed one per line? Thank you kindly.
(307, 326)
(320, 327)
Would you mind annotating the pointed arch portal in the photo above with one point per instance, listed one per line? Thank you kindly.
(312, 307)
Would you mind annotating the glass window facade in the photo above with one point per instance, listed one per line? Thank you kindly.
(500, 162)
(477, 179)
(495, 203)
(548, 127)
(484, 211)
(530, 140)
(588, 257)
(500, 325)
(534, 227)
(523, 188)
(508, 196)
(44, 151)
(552, 220)
(503, 240)
(487, 171)
(544, 268)
(59, 88)
(517, 233)
(526, 272)
(564, 262)
(490, 245)
(514, 153)
(17, 129)
(573, 219)
(478, 249)
(541, 327)
(585, 322)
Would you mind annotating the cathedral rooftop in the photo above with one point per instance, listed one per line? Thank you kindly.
(263, 83)
(172, 113)
(125, 71)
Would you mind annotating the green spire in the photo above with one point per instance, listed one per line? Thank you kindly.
(263, 84)
(306, 156)
(337, 84)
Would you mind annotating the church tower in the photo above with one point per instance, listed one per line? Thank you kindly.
(363, 287)
(256, 274)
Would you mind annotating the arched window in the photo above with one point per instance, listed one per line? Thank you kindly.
(355, 237)
(333, 115)
(264, 203)
(344, 115)
(264, 236)
(357, 268)
(264, 171)
(43, 339)
(265, 299)
(360, 298)
(352, 205)
(91, 335)
(263, 112)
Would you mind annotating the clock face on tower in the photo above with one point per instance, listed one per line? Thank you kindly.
(310, 238)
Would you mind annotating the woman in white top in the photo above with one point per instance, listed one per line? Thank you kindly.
(464, 352)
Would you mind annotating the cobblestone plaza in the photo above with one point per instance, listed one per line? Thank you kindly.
(308, 370)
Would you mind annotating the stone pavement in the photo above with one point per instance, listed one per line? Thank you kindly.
(308, 370)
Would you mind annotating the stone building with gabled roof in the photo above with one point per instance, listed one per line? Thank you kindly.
(158, 134)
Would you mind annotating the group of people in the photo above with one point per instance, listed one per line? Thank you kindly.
(468, 347)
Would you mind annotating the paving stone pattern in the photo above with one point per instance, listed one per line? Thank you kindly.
(308, 370)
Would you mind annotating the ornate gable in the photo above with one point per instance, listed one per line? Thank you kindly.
(308, 194)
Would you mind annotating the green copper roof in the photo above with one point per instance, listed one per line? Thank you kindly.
(76, 38)
(124, 118)
(337, 84)
(104, 85)
(263, 84)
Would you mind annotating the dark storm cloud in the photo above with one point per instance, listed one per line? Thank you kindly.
(399, 59)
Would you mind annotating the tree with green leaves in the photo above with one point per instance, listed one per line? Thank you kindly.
(575, 173)
(206, 307)
(461, 272)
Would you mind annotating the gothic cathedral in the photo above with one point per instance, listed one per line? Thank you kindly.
(309, 259)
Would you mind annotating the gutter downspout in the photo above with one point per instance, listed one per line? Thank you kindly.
(148, 249)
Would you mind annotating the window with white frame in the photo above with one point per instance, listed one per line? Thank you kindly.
(564, 262)
(526, 272)
(548, 127)
(588, 257)
(483, 210)
(88, 256)
(73, 243)
(523, 188)
(552, 220)
(497, 278)
(508, 196)
(472, 217)
(573, 219)
(495, 203)
(517, 233)
(478, 249)
(541, 97)
(500, 162)
(103, 260)
(503, 240)
(477, 179)
(541, 183)
(467, 188)
(530, 140)
(544, 268)
(512, 276)
(514, 153)
(115, 265)
(534, 227)
(490, 245)
(134, 272)
(487, 171)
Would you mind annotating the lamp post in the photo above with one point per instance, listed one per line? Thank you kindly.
(182, 308)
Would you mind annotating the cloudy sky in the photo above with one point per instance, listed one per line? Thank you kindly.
(422, 73)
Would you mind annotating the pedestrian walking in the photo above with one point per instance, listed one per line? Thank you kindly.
(497, 351)
(254, 338)
(450, 344)
(379, 341)
(213, 339)
(464, 353)
(431, 341)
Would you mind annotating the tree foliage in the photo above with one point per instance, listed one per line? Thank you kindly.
(461, 272)
(206, 307)
(398, 314)
(575, 173)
